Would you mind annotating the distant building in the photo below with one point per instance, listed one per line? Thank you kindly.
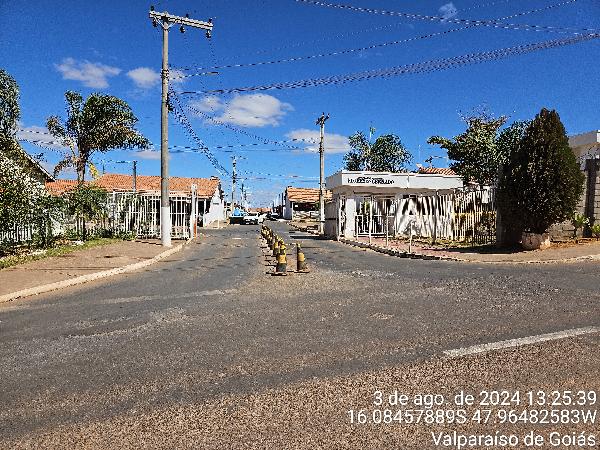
(301, 202)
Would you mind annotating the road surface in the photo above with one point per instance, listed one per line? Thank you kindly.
(208, 350)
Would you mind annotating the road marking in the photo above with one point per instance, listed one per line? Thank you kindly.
(455, 353)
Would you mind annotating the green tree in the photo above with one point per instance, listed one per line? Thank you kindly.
(23, 199)
(386, 154)
(87, 202)
(475, 153)
(101, 123)
(508, 143)
(541, 182)
(9, 104)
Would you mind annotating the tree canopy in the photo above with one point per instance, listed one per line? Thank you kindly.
(100, 123)
(386, 154)
(475, 153)
(541, 182)
(10, 112)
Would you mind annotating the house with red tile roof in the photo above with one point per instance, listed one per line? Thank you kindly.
(208, 208)
(436, 170)
(302, 202)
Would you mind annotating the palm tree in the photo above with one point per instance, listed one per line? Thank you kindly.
(101, 123)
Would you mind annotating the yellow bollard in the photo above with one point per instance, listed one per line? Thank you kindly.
(276, 248)
(281, 268)
(300, 260)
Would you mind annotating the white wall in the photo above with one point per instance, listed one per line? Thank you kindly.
(216, 211)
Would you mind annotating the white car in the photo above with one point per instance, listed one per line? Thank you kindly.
(254, 218)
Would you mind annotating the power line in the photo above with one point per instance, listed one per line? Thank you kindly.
(423, 67)
(360, 49)
(184, 121)
(478, 22)
(222, 148)
(236, 129)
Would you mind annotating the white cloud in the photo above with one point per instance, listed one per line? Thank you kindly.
(252, 110)
(94, 75)
(177, 76)
(209, 104)
(38, 136)
(144, 77)
(334, 143)
(448, 11)
(147, 154)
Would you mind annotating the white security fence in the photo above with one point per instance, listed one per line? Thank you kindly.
(18, 233)
(463, 215)
(134, 213)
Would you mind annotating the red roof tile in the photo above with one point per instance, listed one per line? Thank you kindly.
(206, 187)
(436, 171)
(305, 195)
(59, 187)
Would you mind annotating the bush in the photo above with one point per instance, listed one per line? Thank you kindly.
(595, 229)
(541, 182)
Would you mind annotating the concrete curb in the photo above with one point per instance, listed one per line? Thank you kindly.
(90, 277)
(398, 253)
(404, 254)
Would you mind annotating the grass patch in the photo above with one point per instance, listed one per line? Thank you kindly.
(58, 250)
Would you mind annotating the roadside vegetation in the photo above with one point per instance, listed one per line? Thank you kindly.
(537, 177)
(58, 224)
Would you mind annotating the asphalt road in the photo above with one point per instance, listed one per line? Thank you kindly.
(208, 350)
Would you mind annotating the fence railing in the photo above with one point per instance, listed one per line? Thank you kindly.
(467, 215)
(126, 212)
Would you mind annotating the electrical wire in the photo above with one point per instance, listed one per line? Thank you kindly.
(361, 49)
(236, 129)
(184, 121)
(423, 67)
(479, 22)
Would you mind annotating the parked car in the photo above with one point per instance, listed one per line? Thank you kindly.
(237, 216)
(253, 218)
(273, 216)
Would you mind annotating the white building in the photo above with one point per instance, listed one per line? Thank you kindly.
(381, 203)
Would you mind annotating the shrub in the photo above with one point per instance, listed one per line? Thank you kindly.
(579, 221)
(595, 229)
(541, 182)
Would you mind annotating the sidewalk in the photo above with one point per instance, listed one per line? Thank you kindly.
(79, 266)
(559, 252)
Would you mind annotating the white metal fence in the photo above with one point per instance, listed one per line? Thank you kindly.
(126, 212)
(139, 213)
(463, 215)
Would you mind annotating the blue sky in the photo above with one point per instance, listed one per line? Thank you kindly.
(111, 47)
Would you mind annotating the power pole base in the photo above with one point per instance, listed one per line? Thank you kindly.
(165, 226)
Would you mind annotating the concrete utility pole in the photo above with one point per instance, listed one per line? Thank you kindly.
(233, 180)
(166, 21)
(134, 176)
(321, 122)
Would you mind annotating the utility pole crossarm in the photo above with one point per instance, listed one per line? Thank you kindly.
(166, 17)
